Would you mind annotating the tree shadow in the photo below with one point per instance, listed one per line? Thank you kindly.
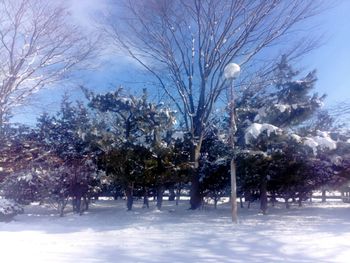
(181, 235)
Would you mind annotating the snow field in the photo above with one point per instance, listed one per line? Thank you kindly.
(108, 233)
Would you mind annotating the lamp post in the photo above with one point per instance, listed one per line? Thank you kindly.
(231, 71)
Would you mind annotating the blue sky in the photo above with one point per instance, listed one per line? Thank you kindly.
(331, 60)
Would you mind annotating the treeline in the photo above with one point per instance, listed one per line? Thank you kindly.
(123, 145)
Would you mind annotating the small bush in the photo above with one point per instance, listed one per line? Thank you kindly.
(8, 210)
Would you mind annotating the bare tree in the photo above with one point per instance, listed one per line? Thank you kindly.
(38, 46)
(186, 44)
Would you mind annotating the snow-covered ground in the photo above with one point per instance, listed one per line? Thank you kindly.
(108, 233)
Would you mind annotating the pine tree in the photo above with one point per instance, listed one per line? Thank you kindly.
(267, 128)
(71, 163)
(214, 168)
(20, 151)
(132, 138)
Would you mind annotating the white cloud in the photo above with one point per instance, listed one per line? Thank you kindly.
(84, 12)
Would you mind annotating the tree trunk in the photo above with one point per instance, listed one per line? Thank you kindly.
(273, 198)
(145, 198)
(300, 199)
(154, 194)
(61, 211)
(87, 203)
(216, 199)
(324, 199)
(61, 206)
(129, 196)
(247, 197)
(74, 204)
(263, 195)
(172, 194)
(178, 194)
(160, 192)
(195, 199)
(241, 202)
(78, 208)
(287, 203)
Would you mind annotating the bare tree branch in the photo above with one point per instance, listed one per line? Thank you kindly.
(37, 47)
(187, 44)
(192, 42)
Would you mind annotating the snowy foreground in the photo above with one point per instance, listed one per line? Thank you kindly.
(107, 233)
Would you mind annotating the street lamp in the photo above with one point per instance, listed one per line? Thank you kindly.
(231, 72)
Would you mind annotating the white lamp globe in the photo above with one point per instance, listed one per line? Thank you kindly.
(231, 71)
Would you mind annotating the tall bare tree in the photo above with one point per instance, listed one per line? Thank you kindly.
(38, 46)
(186, 44)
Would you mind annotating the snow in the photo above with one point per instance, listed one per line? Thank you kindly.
(319, 102)
(221, 161)
(282, 107)
(336, 160)
(25, 177)
(312, 144)
(294, 106)
(252, 153)
(322, 133)
(178, 135)
(261, 114)
(322, 140)
(107, 233)
(222, 137)
(29, 177)
(295, 137)
(254, 130)
(326, 142)
(126, 100)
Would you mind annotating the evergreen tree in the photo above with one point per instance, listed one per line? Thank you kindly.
(268, 123)
(214, 167)
(132, 135)
(21, 150)
(72, 162)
